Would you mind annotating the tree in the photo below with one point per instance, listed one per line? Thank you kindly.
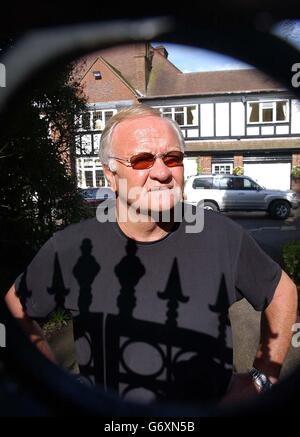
(38, 189)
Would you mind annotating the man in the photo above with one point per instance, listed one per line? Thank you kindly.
(149, 299)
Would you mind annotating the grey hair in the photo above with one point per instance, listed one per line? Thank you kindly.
(134, 111)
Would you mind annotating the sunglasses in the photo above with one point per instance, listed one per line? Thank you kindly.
(145, 160)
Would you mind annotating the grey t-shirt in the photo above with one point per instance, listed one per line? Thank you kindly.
(151, 319)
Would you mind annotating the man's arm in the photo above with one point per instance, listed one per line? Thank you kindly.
(276, 329)
(276, 332)
(30, 327)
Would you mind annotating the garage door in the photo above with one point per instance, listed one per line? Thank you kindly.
(270, 175)
(190, 167)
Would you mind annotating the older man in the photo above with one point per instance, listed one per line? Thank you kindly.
(149, 299)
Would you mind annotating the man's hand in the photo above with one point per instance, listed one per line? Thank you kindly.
(30, 327)
(242, 387)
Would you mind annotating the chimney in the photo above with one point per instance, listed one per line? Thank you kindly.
(162, 50)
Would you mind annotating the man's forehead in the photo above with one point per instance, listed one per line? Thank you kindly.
(145, 122)
(143, 130)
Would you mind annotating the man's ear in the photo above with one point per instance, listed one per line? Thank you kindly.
(110, 177)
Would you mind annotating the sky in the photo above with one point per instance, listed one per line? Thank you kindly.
(189, 59)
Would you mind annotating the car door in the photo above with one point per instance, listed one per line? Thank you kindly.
(197, 188)
(252, 196)
(242, 193)
(226, 192)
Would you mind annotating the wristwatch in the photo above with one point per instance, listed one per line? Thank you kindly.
(261, 380)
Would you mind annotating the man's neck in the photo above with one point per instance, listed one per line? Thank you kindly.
(144, 227)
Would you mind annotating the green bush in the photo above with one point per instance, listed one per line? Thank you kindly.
(295, 171)
(38, 189)
(199, 168)
(291, 259)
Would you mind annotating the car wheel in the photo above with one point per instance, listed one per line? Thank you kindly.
(280, 209)
(211, 206)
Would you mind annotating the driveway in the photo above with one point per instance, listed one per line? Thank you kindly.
(271, 235)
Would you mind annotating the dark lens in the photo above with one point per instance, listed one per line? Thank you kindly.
(173, 159)
(142, 161)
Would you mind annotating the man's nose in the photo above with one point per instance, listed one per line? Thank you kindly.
(160, 171)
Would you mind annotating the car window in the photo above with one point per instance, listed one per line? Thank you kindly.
(204, 183)
(238, 184)
(104, 193)
(90, 193)
(226, 183)
(249, 185)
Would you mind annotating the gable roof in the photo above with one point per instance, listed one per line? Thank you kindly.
(83, 72)
(209, 82)
(148, 72)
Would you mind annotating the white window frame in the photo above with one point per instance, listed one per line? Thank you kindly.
(103, 112)
(260, 108)
(221, 164)
(173, 112)
(88, 164)
(91, 112)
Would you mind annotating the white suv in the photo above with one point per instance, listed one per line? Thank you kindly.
(228, 193)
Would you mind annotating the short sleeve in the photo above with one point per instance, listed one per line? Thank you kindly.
(36, 286)
(256, 274)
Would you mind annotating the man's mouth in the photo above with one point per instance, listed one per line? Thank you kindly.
(159, 188)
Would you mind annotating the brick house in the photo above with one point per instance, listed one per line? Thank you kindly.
(228, 118)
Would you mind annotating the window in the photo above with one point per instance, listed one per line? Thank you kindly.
(179, 116)
(96, 120)
(86, 121)
(100, 179)
(236, 183)
(97, 75)
(100, 118)
(248, 184)
(226, 183)
(268, 111)
(96, 143)
(254, 112)
(86, 144)
(222, 168)
(90, 173)
(79, 175)
(281, 111)
(77, 145)
(88, 178)
(183, 115)
(108, 115)
(204, 183)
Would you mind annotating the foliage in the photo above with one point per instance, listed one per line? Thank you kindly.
(199, 167)
(291, 259)
(238, 171)
(295, 172)
(56, 321)
(38, 189)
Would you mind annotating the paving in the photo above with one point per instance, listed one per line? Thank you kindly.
(271, 236)
(245, 322)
